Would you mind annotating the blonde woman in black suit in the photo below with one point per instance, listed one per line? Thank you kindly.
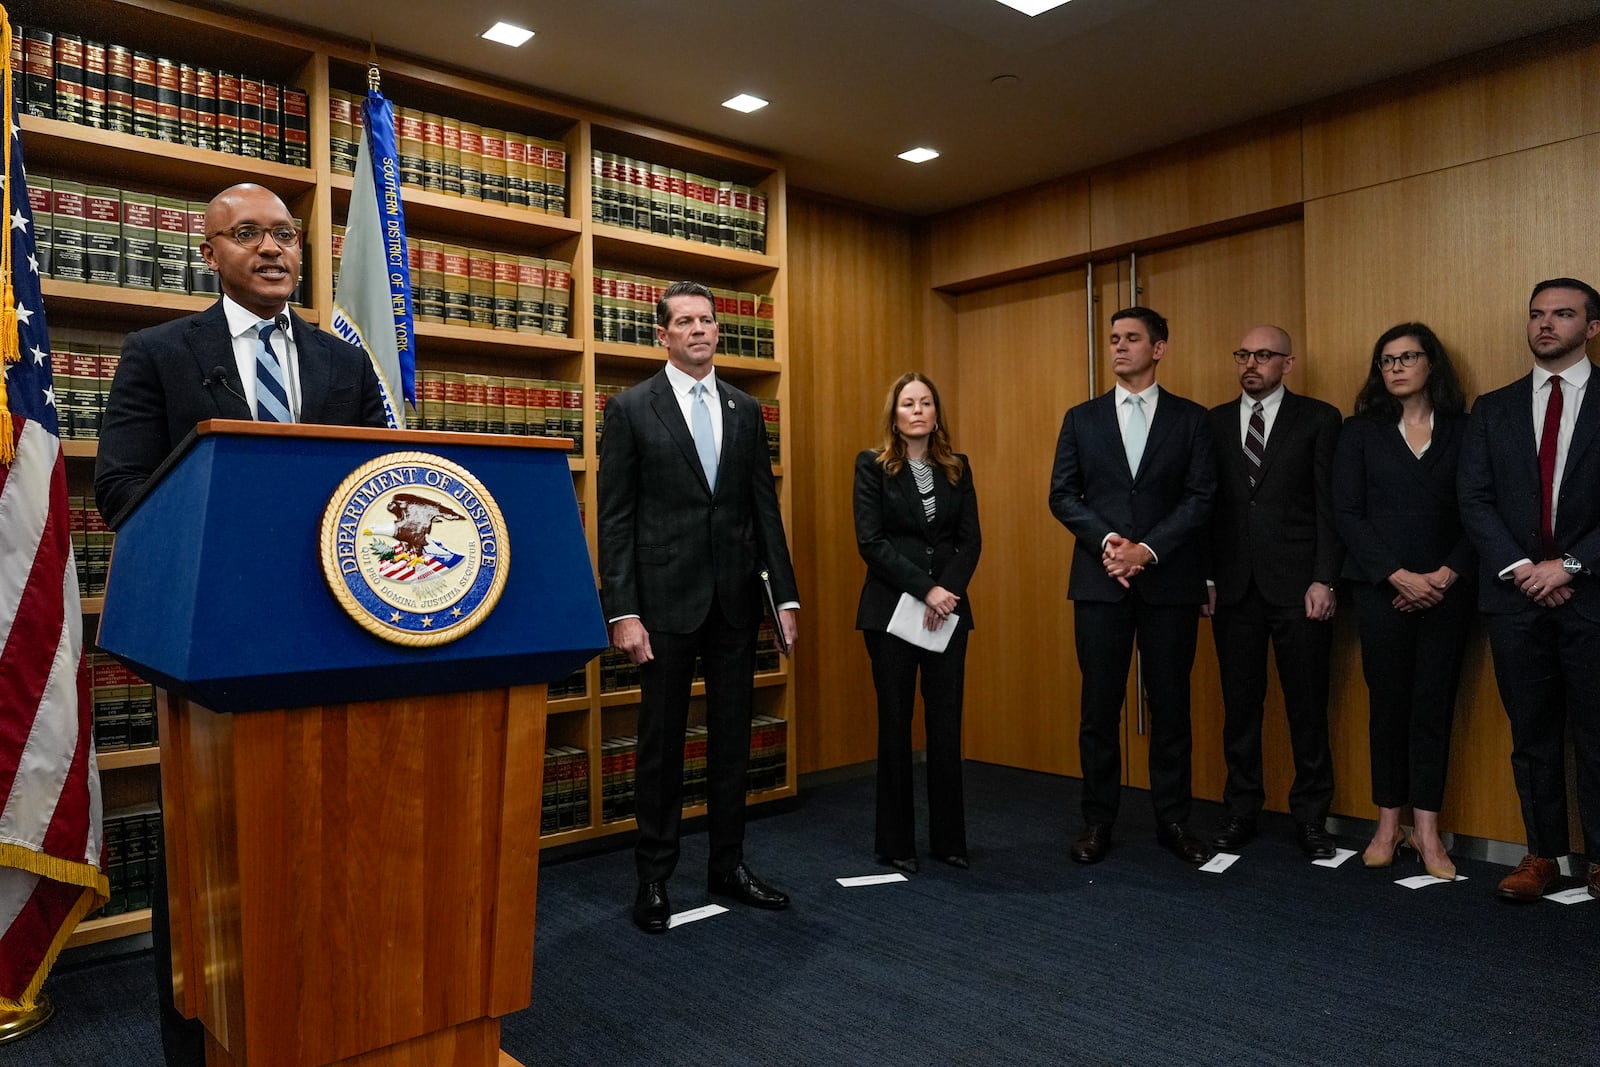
(917, 528)
(1412, 568)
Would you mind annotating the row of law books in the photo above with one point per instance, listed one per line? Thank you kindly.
(625, 313)
(669, 202)
(91, 544)
(119, 237)
(82, 373)
(485, 290)
(113, 87)
(123, 703)
(496, 403)
(132, 838)
(575, 684)
(442, 154)
(565, 803)
(619, 758)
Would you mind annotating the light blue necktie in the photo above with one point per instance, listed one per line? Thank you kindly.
(272, 399)
(705, 441)
(1133, 438)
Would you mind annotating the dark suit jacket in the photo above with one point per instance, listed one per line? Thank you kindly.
(1394, 510)
(1499, 488)
(668, 545)
(906, 553)
(159, 395)
(1166, 505)
(1281, 533)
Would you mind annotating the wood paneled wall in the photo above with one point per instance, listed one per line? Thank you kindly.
(1442, 197)
(858, 320)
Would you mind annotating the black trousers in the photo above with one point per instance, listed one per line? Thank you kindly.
(894, 674)
(1545, 663)
(728, 654)
(1412, 663)
(1301, 647)
(1105, 633)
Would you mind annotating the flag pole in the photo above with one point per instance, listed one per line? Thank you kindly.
(15, 1025)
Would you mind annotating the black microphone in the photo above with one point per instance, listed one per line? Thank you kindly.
(219, 376)
(282, 322)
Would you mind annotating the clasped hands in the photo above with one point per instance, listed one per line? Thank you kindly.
(1124, 559)
(937, 606)
(1419, 592)
(1547, 584)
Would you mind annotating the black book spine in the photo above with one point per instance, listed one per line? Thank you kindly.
(39, 65)
(69, 78)
(249, 117)
(296, 127)
(169, 101)
(144, 95)
(205, 91)
(227, 112)
(94, 84)
(271, 122)
(119, 89)
(189, 105)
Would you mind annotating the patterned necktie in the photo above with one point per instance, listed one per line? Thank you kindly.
(1255, 443)
(1133, 437)
(705, 441)
(1547, 467)
(272, 399)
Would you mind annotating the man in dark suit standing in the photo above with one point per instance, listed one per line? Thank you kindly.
(1529, 485)
(688, 518)
(245, 357)
(1133, 481)
(215, 365)
(1275, 555)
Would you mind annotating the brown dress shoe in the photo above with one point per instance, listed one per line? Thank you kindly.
(1594, 880)
(1533, 878)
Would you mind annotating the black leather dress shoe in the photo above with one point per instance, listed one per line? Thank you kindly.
(956, 859)
(1176, 839)
(1093, 844)
(742, 885)
(909, 864)
(1314, 841)
(651, 910)
(1234, 833)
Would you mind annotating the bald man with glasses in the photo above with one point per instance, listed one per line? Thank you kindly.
(248, 356)
(1275, 555)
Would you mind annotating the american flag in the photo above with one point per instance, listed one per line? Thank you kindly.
(50, 823)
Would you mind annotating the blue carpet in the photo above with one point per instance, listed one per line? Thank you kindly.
(1025, 959)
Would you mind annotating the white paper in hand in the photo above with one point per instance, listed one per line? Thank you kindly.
(906, 624)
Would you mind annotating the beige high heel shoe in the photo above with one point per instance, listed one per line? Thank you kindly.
(1446, 870)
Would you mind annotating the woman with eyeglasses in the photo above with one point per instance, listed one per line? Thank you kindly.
(916, 516)
(1411, 568)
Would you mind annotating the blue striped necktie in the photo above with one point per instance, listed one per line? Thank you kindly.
(272, 399)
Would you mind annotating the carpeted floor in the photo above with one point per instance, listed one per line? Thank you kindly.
(1025, 959)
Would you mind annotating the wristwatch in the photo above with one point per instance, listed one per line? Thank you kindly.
(1571, 566)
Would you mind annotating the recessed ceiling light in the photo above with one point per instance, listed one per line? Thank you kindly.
(505, 33)
(745, 102)
(918, 155)
(1033, 7)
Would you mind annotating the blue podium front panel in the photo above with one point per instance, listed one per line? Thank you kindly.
(217, 590)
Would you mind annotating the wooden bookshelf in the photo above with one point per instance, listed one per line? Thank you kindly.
(321, 197)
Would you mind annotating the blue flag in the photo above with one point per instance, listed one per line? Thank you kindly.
(372, 302)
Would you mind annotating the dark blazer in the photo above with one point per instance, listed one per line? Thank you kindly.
(160, 393)
(1281, 533)
(1498, 484)
(1165, 505)
(668, 545)
(906, 553)
(1395, 511)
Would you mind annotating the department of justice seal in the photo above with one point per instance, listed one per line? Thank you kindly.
(414, 548)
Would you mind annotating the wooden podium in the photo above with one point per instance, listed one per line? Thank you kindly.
(351, 824)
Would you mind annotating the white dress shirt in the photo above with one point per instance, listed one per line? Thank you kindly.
(683, 389)
(242, 326)
(1269, 414)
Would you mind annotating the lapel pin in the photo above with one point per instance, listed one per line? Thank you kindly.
(730, 405)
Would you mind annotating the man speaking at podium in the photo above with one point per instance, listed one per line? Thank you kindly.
(245, 357)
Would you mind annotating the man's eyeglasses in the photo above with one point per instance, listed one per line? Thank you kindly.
(1242, 356)
(1403, 359)
(250, 236)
